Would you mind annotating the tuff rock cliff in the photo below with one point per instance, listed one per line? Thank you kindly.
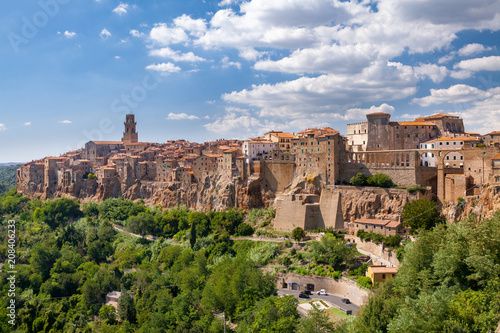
(482, 205)
(213, 193)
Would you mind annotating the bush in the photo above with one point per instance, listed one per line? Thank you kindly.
(298, 234)
(288, 243)
(380, 180)
(393, 241)
(244, 229)
(365, 281)
(358, 180)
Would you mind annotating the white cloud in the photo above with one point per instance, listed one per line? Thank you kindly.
(69, 34)
(459, 93)
(28, 123)
(168, 53)
(117, 57)
(434, 72)
(480, 64)
(461, 74)
(164, 68)
(474, 48)
(2, 127)
(237, 125)
(195, 27)
(329, 92)
(136, 33)
(65, 121)
(181, 116)
(224, 3)
(226, 63)
(166, 36)
(482, 116)
(105, 34)
(353, 114)
(210, 102)
(121, 9)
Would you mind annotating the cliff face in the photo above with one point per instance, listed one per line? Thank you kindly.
(214, 193)
(482, 205)
(371, 202)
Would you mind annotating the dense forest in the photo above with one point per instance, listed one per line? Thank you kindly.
(195, 275)
(7, 177)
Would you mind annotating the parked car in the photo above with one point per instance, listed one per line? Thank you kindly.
(303, 295)
(346, 301)
(321, 292)
(307, 292)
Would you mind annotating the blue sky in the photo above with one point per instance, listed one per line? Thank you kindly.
(201, 70)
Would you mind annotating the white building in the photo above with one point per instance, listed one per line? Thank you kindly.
(452, 159)
(254, 148)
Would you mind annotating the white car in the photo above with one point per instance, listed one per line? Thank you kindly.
(321, 292)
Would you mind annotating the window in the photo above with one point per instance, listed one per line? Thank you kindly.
(416, 135)
(397, 136)
(454, 142)
(447, 143)
(454, 157)
(447, 157)
(383, 276)
(461, 157)
(318, 149)
(328, 149)
(408, 135)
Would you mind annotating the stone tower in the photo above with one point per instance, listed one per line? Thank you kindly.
(130, 135)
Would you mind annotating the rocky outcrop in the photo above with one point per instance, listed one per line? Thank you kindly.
(215, 192)
(482, 205)
(373, 202)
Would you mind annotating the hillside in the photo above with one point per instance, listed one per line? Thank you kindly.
(7, 177)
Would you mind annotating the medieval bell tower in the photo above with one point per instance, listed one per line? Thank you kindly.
(130, 135)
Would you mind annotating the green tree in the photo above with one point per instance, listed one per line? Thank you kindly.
(358, 180)
(421, 214)
(126, 307)
(192, 236)
(298, 234)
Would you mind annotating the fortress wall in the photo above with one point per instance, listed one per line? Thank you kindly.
(290, 213)
(331, 209)
(278, 174)
(402, 176)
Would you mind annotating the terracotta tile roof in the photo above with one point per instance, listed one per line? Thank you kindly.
(415, 123)
(493, 133)
(230, 151)
(436, 116)
(107, 142)
(393, 224)
(383, 269)
(496, 157)
(372, 221)
(457, 138)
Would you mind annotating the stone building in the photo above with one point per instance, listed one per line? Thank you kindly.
(204, 165)
(253, 149)
(130, 135)
(383, 227)
(283, 139)
(379, 133)
(319, 150)
(492, 138)
(381, 273)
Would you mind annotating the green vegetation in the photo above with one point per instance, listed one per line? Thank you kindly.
(392, 241)
(298, 234)
(378, 180)
(421, 214)
(413, 189)
(449, 281)
(8, 177)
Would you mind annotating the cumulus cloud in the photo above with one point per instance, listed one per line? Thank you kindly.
(226, 63)
(483, 115)
(168, 53)
(136, 33)
(354, 114)
(121, 9)
(473, 48)
(181, 116)
(434, 72)
(164, 68)
(2, 127)
(105, 34)
(459, 93)
(195, 27)
(480, 64)
(28, 123)
(232, 123)
(69, 34)
(65, 121)
(165, 35)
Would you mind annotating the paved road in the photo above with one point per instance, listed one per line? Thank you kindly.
(337, 300)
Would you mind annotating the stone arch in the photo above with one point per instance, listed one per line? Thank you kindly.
(428, 158)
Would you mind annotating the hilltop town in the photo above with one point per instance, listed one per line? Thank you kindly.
(303, 174)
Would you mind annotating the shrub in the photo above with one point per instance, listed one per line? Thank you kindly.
(298, 234)
(288, 243)
(380, 180)
(393, 241)
(365, 281)
(358, 180)
(416, 188)
(244, 229)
